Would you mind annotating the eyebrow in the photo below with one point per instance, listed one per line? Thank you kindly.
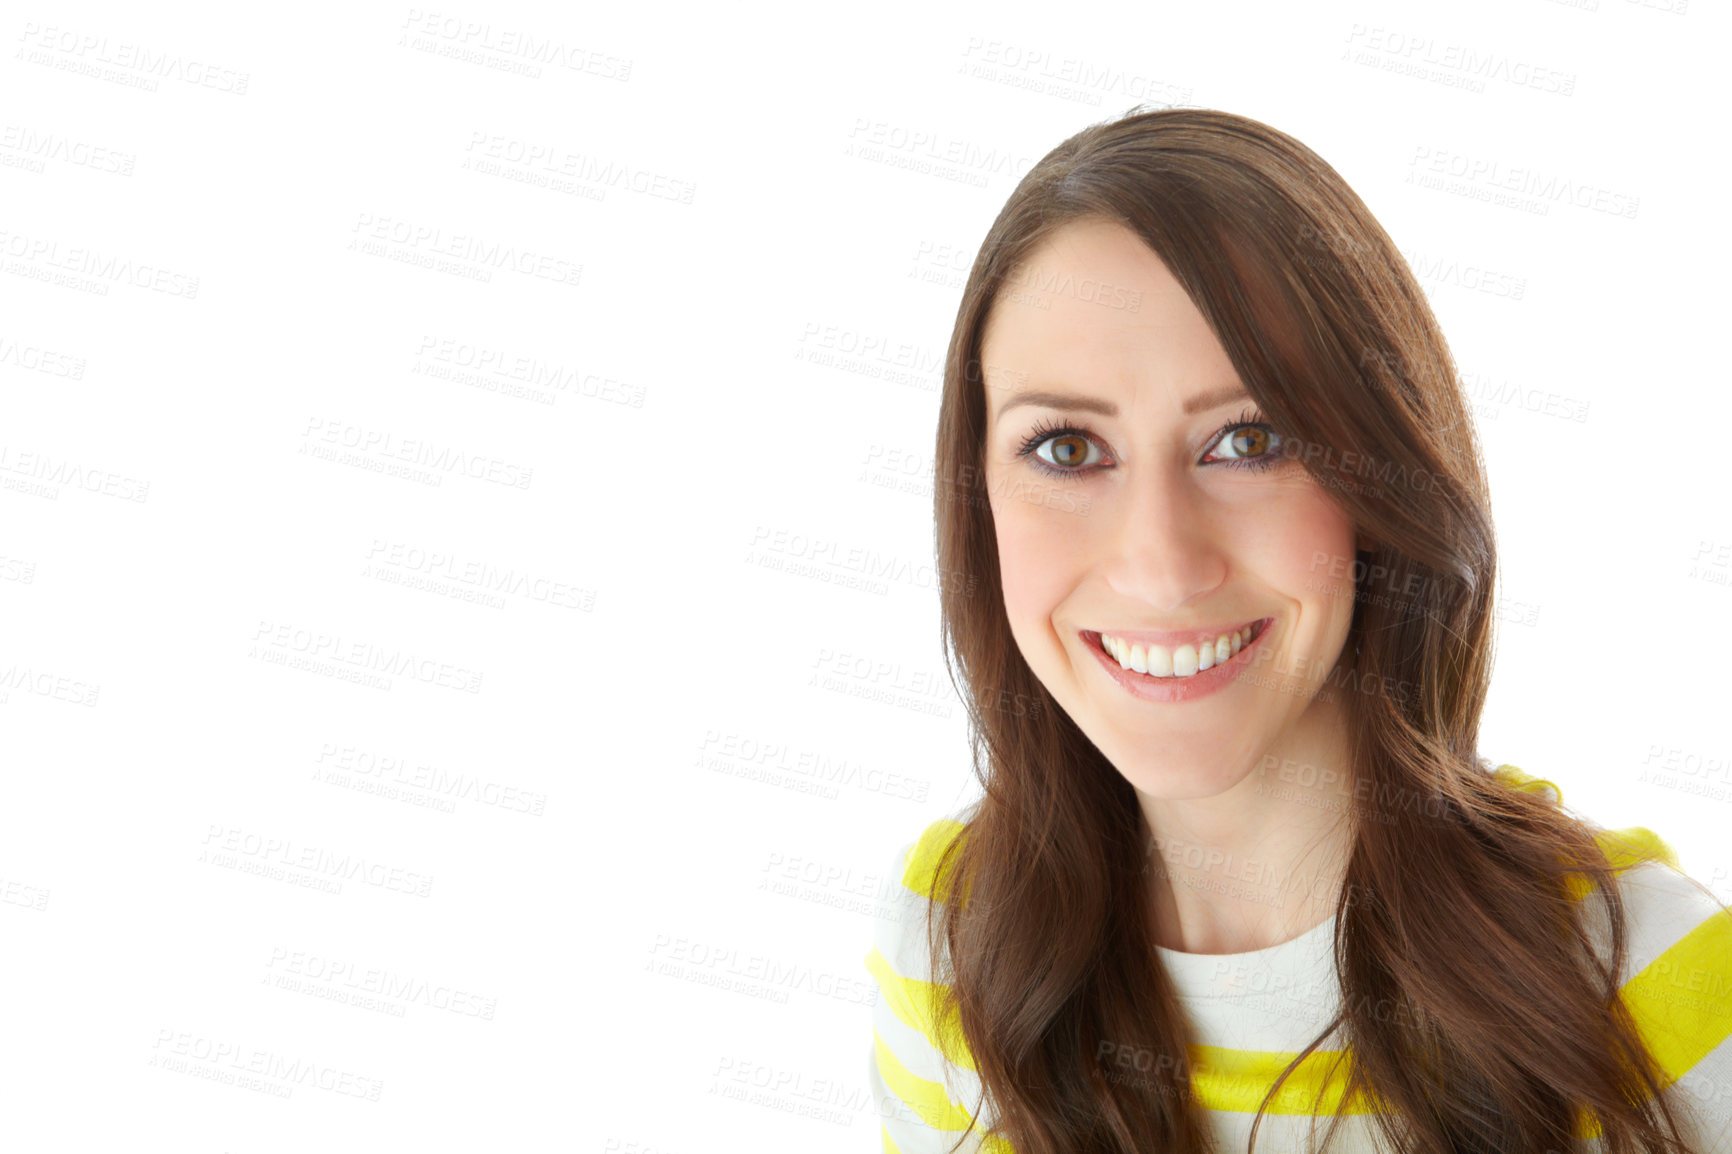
(1201, 403)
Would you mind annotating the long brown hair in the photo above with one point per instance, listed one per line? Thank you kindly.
(1506, 1029)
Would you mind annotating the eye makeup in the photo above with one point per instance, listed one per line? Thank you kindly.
(1052, 429)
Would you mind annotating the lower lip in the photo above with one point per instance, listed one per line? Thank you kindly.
(1211, 680)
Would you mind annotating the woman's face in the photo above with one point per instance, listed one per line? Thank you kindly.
(1132, 514)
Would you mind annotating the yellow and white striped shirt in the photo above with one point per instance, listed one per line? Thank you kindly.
(1250, 1013)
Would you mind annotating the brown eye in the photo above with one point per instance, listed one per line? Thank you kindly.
(1069, 449)
(1250, 445)
(1249, 441)
(1073, 451)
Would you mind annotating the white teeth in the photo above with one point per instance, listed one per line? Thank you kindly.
(1183, 661)
(1160, 661)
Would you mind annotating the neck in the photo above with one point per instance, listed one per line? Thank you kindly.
(1264, 860)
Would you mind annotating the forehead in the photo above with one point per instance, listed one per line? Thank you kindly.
(1092, 306)
(1098, 245)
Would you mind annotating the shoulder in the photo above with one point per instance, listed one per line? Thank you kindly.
(1516, 779)
(915, 888)
(1676, 979)
(926, 870)
(921, 1069)
(1668, 915)
(1677, 984)
(1625, 848)
(1678, 968)
(1664, 908)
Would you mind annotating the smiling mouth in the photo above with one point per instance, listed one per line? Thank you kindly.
(1186, 659)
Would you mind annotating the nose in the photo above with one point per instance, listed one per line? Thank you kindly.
(1166, 549)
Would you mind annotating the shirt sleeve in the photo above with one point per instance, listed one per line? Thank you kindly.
(1720, 1143)
(1707, 1087)
(926, 1095)
(1678, 987)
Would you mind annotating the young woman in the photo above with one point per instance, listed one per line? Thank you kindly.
(1238, 872)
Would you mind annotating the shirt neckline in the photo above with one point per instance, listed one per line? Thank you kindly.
(1309, 956)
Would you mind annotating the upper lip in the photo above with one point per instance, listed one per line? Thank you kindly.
(1173, 637)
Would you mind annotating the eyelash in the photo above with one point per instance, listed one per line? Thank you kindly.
(1049, 429)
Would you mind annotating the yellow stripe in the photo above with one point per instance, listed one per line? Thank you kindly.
(1681, 1001)
(926, 1098)
(1680, 1024)
(921, 872)
(890, 1146)
(1223, 1079)
(1624, 848)
(1237, 1080)
(1519, 780)
(919, 1004)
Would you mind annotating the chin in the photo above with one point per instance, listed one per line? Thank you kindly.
(1182, 778)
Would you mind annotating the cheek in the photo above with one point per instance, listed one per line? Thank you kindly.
(1305, 545)
(1037, 551)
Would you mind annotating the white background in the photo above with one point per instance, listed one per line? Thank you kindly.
(588, 908)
